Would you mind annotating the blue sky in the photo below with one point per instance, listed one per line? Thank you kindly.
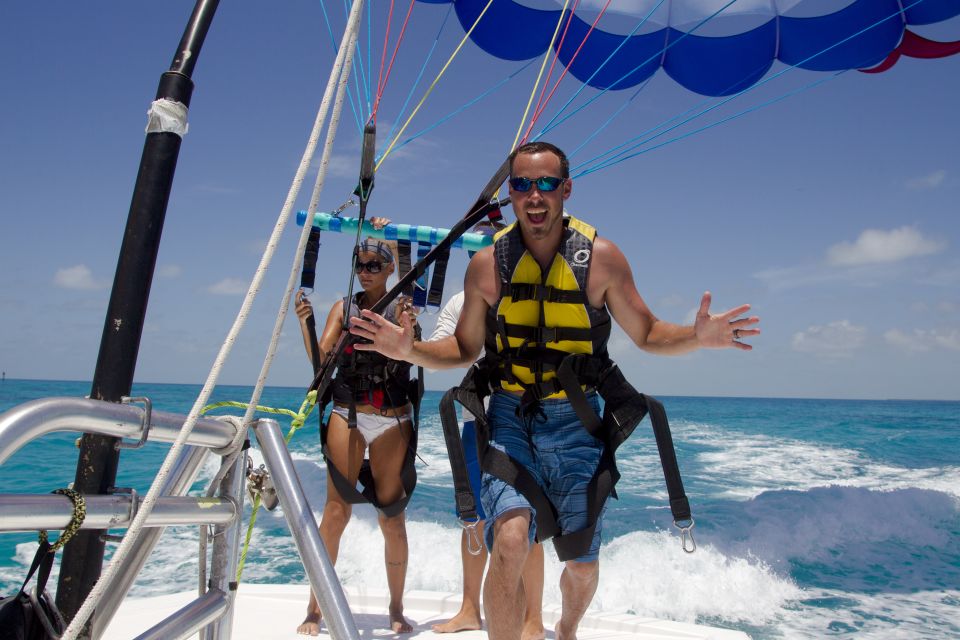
(834, 212)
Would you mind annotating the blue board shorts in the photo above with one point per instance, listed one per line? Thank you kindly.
(557, 451)
(469, 439)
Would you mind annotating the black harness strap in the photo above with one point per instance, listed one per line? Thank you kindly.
(308, 275)
(403, 260)
(435, 295)
(463, 492)
(624, 408)
(350, 493)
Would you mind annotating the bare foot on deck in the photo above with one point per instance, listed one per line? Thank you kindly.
(399, 624)
(310, 625)
(533, 632)
(463, 621)
(562, 632)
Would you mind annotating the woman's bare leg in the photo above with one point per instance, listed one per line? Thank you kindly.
(346, 448)
(387, 456)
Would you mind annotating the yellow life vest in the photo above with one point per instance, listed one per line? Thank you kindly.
(542, 318)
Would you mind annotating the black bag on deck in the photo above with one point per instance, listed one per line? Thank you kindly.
(32, 616)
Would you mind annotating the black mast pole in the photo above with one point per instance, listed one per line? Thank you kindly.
(123, 326)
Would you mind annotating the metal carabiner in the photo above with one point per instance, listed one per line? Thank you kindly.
(686, 536)
(474, 543)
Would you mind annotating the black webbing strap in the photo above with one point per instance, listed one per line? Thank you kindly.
(543, 335)
(308, 276)
(439, 276)
(308, 271)
(349, 492)
(570, 382)
(403, 260)
(534, 291)
(420, 288)
(679, 505)
(464, 499)
(499, 464)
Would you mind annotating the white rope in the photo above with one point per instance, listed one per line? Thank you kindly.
(93, 599)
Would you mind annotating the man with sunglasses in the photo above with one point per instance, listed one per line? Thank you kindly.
(539, 303)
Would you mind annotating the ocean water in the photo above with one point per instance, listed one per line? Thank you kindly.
(815, 518)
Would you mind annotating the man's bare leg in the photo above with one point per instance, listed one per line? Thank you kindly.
(578, 583)
(503, 593)
(533, 590)
(468, 618)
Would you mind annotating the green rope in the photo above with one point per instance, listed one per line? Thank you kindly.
(299, 418)
(76, 520)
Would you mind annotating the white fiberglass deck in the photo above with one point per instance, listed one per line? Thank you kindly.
(268, 612)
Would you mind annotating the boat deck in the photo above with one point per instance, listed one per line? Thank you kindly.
(268, 612)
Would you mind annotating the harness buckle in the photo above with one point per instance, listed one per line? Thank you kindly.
(545, 333)
(686, 536)
(474, 543)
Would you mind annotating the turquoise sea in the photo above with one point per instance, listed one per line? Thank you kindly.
(814, 518)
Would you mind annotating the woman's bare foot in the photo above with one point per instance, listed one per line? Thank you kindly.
(398, 623)
(465, 620)
(310, 625)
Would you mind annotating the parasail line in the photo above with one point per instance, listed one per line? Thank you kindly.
(464, 106)
(540, 109)
(543, 64)
(336, 49)
(434, 84)
(711, 125)
(609, 120)
(383, 62)
(743, 91)
(660, 53)
(423, 68)
(396, 49)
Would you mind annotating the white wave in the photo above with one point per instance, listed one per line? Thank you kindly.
(843, 527)
(741, 465)
(924, 615)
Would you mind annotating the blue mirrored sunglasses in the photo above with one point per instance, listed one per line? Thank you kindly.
(374, 266)
(544, 183)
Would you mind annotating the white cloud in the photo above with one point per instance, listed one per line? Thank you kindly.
(229, 287)
(948, 340)
(921, 340)
(910, 343)
(837, 339)
(931, 181)
(876, 246)
(170, 271)
(77, 277)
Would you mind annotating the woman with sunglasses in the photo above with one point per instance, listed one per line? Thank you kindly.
(372, 414)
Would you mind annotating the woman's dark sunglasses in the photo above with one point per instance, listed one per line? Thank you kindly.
(544, 183)
(374, 266)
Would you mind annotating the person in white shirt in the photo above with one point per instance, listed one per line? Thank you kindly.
(468, 618)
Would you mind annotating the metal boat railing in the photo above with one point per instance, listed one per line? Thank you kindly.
(212, 611)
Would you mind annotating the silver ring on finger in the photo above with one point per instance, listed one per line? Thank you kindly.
(736, 334)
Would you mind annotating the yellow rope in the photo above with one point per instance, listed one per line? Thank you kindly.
(543, 65)
(432, 85)
(299, 418)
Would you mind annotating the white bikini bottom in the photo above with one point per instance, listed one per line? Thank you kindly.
(370, 425)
